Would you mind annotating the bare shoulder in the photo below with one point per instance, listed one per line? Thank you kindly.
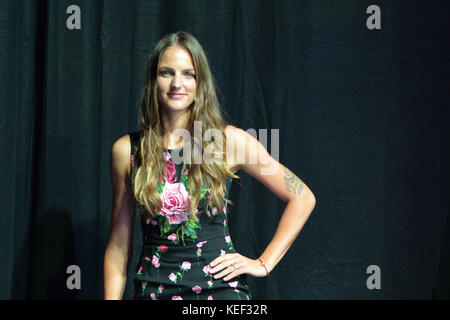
(234, 133)
(234, 136)
(120, 154)
(240, 139)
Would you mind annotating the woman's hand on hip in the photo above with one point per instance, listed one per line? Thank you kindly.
(231, 265)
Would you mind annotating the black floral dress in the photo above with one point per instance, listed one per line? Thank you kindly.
(176, 250)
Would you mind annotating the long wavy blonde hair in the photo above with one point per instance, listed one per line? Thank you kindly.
(150, 166)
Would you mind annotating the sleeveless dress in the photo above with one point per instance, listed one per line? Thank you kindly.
(176, 250)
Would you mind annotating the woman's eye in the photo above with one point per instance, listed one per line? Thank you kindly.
(166, 73)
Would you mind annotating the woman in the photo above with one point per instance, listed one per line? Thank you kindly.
(187, 251)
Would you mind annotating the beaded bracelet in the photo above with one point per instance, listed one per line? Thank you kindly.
(262, 264)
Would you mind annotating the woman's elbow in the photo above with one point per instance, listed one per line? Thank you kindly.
(313, 201)
(310, 199)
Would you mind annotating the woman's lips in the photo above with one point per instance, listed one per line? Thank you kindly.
(176, 95)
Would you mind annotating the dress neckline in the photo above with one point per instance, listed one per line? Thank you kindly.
(171, 149)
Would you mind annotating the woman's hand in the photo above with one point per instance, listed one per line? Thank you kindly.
(241, 264)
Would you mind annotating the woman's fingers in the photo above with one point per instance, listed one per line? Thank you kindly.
(222, 262)
(230, 265)
(224, 272)
(238, 270)
(224, 265)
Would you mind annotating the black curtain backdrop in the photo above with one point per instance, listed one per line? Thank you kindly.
(363, 118)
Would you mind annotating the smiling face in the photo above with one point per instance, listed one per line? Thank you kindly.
(176, 79)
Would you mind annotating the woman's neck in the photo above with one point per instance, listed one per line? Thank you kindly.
(171, 121)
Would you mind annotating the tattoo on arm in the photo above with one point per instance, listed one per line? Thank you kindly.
(292, 182)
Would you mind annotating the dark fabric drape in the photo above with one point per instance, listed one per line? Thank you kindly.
(363, 118)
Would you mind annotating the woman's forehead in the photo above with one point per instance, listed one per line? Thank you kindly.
(176, 56)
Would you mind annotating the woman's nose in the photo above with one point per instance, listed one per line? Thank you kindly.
(176, 81)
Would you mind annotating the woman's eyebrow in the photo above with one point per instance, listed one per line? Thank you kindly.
(169, 68)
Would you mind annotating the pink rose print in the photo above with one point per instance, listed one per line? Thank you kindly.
(160, 290)
(155, 261)
(162, 248)
(214, 211)
(177, 298)
(147, 259)
(153, 296)
(199, 254)
(234, 285)
(228, 241)
(176, 200)
(201, 243)
(186, 265)
(144, 285)
(197, 289)
(207, 269)
(166, 156)
(139, 271)
(173, 238)
(153, 222)
(210, 297)
(222, 252)
(199, 250)
(173, 277)
(171, 171)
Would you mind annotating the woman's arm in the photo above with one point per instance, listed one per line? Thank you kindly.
(119, 249)
(286, 186)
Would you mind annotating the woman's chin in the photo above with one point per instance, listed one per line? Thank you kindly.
(176, 107)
